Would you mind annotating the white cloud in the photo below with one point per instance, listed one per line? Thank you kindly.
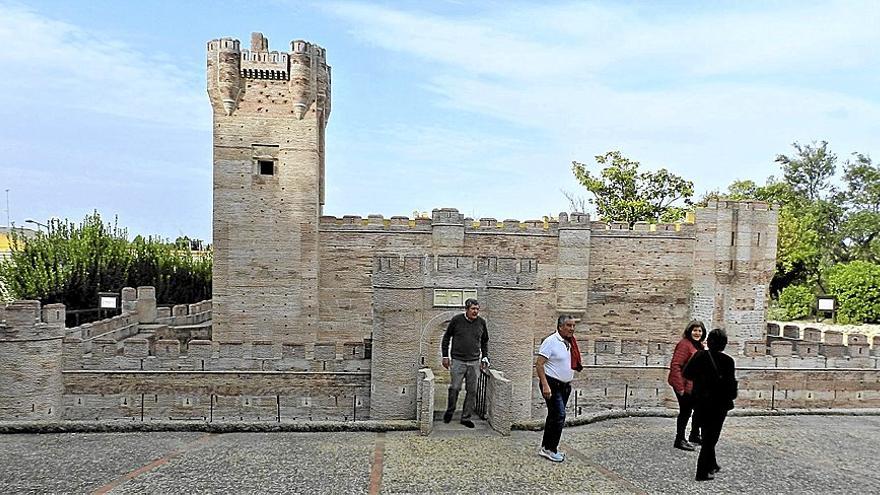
(525, 41)
(61, 67)
(735, 87)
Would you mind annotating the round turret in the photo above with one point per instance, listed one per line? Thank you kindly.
(30, 361)
(224, 74)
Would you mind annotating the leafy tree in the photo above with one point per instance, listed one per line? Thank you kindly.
(71, 263)
(623, 193)
(861, 226)
(809, 172)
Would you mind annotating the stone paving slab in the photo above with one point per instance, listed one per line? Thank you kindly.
(265, 463)
(785, 454)
(76, 462)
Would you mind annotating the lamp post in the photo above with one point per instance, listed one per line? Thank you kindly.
(38, 224)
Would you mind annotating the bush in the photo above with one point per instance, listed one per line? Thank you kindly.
(857, 288)
(796, 301)
(71, 263)
(775, 313)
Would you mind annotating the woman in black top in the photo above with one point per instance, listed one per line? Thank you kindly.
(714, 376)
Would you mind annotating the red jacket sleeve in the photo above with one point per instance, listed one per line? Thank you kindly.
(679, 358)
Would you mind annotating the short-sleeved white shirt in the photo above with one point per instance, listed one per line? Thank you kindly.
(558, 356)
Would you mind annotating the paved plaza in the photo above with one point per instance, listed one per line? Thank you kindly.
(786, 454)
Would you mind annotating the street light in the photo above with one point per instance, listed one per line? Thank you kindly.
(38, 224)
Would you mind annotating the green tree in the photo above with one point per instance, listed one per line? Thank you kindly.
(71, 263)
(861, 225)
(621, 192)
(809, 172)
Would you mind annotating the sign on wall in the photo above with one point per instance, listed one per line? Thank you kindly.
(453, 298)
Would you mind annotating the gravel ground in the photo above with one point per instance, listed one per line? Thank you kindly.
(788, 454)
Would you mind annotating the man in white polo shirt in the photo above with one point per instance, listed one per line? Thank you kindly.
(555, 366)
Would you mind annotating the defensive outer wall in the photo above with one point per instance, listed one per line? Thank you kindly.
(317, 318)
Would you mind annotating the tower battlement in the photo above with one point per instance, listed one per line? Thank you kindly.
(302, 73)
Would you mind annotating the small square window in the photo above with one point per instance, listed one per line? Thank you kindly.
(267, 167)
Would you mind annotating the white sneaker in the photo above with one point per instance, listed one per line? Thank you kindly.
(553, 456)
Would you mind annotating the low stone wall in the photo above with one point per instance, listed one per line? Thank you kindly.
(499, 402)
(628, 387)
(215, 396)
(425, 401)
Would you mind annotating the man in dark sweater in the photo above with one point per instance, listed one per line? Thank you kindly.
(470, 342)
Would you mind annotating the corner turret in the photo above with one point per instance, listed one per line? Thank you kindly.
(224, 74)
(30, 361)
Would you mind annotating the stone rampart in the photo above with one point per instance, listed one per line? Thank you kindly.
(258, 396)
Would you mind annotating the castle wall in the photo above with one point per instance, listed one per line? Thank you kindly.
(215, 396)
(639, 283)
(345, 266)
(30, 361)
(735, 258)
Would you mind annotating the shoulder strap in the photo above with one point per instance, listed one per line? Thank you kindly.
(713, 363)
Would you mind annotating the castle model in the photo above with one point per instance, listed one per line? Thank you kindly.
(315, 317)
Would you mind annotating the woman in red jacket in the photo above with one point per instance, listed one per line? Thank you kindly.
(690, 343)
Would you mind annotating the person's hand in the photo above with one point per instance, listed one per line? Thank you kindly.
(484, 364)
(545, 391)
(446, 362)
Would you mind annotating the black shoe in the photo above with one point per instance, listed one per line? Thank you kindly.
(468, 423)
(684, 445)
(447, 417)
(716, 469)
(695, 439)
(704, 477)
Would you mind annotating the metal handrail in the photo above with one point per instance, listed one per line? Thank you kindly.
(482, 389)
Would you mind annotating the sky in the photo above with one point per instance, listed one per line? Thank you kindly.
(480, 106)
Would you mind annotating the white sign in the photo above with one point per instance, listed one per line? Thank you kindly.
(108, 302)
(826, 304)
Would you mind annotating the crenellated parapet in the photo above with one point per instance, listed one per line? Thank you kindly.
(449, 219)
(297, 81)
(454, 271)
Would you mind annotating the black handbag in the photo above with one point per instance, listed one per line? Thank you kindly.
(729, 387)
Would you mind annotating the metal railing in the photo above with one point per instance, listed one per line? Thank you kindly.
(77, 317)
(482, 392)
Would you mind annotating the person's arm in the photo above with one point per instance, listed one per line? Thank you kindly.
(444, 344)
(675, 366)
(691, 368)
(542, 377)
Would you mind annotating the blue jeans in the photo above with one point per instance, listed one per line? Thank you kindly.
(559, 393)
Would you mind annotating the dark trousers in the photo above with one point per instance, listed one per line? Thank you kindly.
(467, 371)
(685, 407)
(713, 420)
(559, 393)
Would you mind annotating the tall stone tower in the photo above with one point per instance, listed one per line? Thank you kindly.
(734, 261)
(270, 110)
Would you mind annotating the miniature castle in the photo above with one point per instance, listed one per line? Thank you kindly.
(318, 317)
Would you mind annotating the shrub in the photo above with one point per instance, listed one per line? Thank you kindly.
(857, 288)
(71, 263)
(796, 301)
(776, 313)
